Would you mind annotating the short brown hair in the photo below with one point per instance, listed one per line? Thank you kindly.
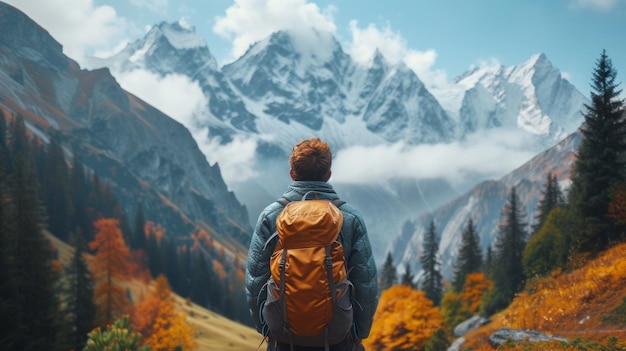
(311, 160)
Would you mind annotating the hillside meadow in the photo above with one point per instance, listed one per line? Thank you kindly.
(586, 302)
(213, 331)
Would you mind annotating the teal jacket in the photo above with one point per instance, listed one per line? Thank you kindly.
(357, 250)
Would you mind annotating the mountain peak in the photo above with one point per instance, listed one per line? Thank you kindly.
(179, 34)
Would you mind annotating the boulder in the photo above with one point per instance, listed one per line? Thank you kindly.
(469, 325)
(503, 335)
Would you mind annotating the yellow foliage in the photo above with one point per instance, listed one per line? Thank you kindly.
(158, 321)
(405, 319)
(552, 301)
(476, 285)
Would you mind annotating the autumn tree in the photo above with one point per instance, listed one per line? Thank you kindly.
(388, 274)
(157, 320)
(78, 293)
(432, 280)
(601, 161)
(469, 256)
(476, 286)
(405, 319)
(110, 266)
(507, 272)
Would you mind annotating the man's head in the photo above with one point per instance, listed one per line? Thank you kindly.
(310, 160)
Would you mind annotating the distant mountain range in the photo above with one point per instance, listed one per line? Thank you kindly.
(279, 92)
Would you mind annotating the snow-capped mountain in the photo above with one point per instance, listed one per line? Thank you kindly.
(532, 96)
(298, 84)
(175, 49)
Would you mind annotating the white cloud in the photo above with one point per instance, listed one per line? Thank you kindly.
(248, 21)
(79, 25)
(182, 99)
(602, 5)
(394, 48)
(488, 155)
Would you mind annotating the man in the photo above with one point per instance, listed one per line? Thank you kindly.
(310, 163)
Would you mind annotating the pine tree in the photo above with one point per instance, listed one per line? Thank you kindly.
(469, 256)
(388, 274)
(56, 190)
(37, 302)
(408, 277)
(78, 292)
(432, 281)
(551, 197)
(78, 195)
(601, 161)
(9, 293)
(507, 272)
(110, 266)
(139, 235)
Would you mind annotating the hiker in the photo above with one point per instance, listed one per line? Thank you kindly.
(310, 171)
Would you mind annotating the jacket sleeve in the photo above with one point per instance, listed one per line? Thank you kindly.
(257, 268)
(364, 277)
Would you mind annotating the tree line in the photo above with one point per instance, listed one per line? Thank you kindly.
(47, 305)
(568, 230)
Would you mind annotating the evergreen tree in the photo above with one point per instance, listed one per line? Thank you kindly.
(139, 236)
(432, 281)
(200, 284)
(601, 161)
(78, 292)
(408, 277)
(469, 256)
(507, 272)
(78, 194)
(388, 274)
(56, 190)
(552, 196)
(9, 308)
(37, 304)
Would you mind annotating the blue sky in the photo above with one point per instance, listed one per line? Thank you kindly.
(439, 39)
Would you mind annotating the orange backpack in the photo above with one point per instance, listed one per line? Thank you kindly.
(308, 293)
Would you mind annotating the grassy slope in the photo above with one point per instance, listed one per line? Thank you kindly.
(214, 332)
(571, 304)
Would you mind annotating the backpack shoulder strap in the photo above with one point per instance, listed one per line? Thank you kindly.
(283, 201)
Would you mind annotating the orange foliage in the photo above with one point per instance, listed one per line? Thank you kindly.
(219, 269)
(405, 319)
(150, 228)
(156, 318)
(555, 303)
(617, 206)
(110, 265)
(476, 285)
